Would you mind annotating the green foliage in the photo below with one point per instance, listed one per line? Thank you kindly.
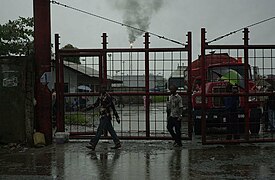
(75, 119)
(158, 99)
(17, 37)
(73, 59)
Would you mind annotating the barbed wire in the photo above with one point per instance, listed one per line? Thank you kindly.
(233, 32)
(117, 22)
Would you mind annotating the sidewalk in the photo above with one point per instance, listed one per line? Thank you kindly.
(140, 160)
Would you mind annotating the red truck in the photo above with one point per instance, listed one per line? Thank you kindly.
(215, 109)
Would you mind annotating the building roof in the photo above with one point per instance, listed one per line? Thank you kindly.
(91, 72)
(139, 80)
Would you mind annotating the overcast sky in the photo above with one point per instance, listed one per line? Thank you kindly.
(172, 19)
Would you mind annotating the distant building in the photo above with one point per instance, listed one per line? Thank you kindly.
(79, 78)
(137, 82)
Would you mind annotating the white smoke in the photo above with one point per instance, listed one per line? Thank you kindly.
(138, 14)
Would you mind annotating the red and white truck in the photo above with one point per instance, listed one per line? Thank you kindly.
(215, 108)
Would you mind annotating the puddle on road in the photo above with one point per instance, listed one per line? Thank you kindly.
(141, 160)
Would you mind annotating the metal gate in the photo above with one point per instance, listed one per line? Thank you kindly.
(255, 87)
(137, 79)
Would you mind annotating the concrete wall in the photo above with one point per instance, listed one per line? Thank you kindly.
(15, 89)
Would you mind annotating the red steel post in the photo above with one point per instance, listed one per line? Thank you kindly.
(103, 66)
(189, 91)
(147, 99)
(104, 60)
(57, 84)
(61, 124)
(203, 116)
(42, 46)
(246, 108)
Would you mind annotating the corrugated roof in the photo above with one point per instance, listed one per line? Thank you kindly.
(91, 72)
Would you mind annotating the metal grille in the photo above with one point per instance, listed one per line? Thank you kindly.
(250, 121)
(137, 79)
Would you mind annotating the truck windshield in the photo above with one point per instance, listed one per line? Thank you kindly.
(218, 73)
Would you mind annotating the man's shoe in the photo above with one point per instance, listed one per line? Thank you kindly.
(91, 146)
(117, 146)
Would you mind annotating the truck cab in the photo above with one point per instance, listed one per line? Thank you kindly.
(216, 65)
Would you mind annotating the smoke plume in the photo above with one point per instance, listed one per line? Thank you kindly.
(137, 13)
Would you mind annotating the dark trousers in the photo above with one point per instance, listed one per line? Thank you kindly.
(174, 122)
(105, 123)
(233, 124)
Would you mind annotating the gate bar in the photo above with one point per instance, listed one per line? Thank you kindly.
(203, 118)
(246, 109)
(147, 100)
(189, 90)
(104, 59)
(57, 83)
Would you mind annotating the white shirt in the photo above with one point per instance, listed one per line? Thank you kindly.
(175, 105)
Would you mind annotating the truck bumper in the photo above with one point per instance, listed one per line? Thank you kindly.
(218, 118)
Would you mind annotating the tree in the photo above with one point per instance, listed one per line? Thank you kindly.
(73, 59)
(17, 37)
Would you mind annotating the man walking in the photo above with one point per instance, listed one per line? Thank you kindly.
(105, 102)
(174, 112)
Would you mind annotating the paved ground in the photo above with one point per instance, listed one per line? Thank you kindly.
(138, 160)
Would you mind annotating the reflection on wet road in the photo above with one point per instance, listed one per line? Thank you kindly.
(141, 160)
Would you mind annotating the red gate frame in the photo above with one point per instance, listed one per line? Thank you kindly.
(245, 47)
(102, 54)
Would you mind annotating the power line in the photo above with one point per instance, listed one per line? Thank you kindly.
(233, 32)
(116, 22)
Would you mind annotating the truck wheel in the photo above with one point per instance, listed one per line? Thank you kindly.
(197, 127)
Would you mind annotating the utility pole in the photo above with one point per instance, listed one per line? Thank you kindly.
(42, 46)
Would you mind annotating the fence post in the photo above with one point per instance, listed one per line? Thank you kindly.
(59, 120)
(189, 91)
(147, 99)
(203, 116)
(42, 46)
(62, 97)
(246, 39)
(104, 59)
(103, 67)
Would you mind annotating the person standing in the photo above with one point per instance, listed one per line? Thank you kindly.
(231, 103)
(271, 109)
(174, 113)
(105, 102)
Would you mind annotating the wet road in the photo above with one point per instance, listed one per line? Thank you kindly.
(138, 160)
